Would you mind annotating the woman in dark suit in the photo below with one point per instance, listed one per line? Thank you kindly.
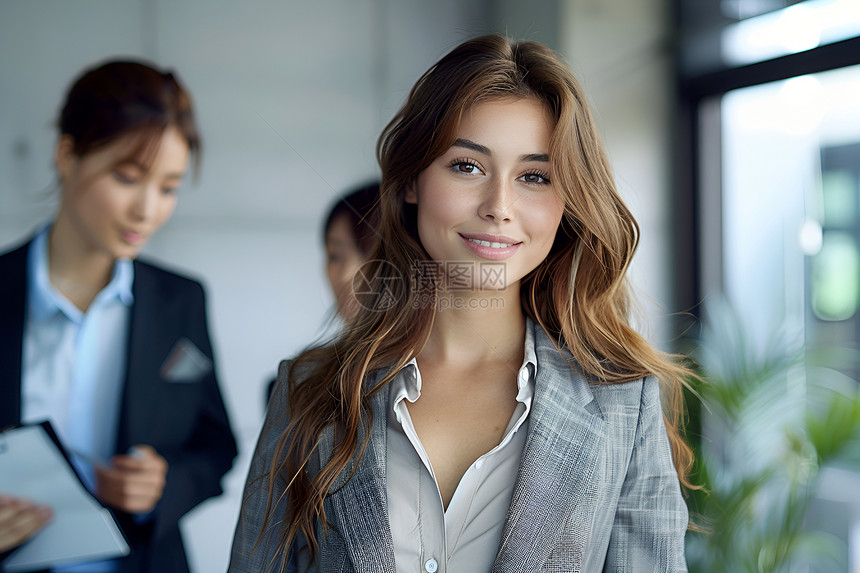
(113, 351)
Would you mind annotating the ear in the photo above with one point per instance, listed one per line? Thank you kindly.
(64, 156)
(411, 195)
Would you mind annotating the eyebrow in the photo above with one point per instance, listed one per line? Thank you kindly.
(543, 157)
(468, 144)
(460, 142)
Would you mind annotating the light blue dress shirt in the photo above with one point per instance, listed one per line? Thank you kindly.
(74, 364)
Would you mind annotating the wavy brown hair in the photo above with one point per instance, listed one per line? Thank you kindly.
(578, 294)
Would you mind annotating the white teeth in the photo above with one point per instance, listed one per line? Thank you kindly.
(491, 245)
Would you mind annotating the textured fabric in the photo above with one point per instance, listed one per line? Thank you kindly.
(184, 421)
(465, 536)
(596, 488)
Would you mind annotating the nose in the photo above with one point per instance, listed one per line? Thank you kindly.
(497, 201)
(144, 205)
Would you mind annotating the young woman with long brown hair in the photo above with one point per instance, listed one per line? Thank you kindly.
(489, 408)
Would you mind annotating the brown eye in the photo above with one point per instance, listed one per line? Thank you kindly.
(535, 178)
(465, 166)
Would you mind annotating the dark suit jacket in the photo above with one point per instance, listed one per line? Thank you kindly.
(185, 422)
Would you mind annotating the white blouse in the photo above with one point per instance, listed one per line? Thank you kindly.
(465, 537)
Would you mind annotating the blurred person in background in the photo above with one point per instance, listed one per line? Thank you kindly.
(489, 406)
(348, 234)
(115, 352)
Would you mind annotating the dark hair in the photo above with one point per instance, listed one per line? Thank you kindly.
(360, 206)
(122, 97)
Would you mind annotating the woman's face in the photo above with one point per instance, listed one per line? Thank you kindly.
(343, 259)
(489, 199)
(114, 208)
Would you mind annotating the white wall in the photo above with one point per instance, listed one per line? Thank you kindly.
(291, 97)
(620, 52)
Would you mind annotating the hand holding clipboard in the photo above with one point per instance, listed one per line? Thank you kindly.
(133, 483)
(20, 519)
(34, 465)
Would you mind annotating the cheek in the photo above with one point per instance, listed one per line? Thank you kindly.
(336, 274)
(427, 232)
(550, 218)
(99, 206)
(166, 206)
(98, 202)
(351, 266)
(438, 202)
(332, 272)
(342, 273)
(353, 263)
(436, 213)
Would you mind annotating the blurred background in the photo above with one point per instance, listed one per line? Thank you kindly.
(733, 127)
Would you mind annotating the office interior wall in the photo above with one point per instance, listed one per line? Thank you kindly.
(621, 53)
(290, 99)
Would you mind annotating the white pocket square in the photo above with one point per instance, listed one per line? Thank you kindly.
(185, 363)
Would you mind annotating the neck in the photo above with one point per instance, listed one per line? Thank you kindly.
(78, 272)
(477, 327)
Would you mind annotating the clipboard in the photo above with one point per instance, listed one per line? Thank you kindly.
(34, 464)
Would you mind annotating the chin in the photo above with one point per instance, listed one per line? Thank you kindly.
(125, 253)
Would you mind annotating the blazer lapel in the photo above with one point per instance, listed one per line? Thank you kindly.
(13, 293)
(139, 398)
(557, 470)
(361, 505)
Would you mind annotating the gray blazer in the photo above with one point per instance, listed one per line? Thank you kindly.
(596, 489)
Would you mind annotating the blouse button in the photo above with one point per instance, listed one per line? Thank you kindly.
(431, 566)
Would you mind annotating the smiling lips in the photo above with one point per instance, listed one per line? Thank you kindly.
(132, 237)
(491, 247)
(489, 244)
